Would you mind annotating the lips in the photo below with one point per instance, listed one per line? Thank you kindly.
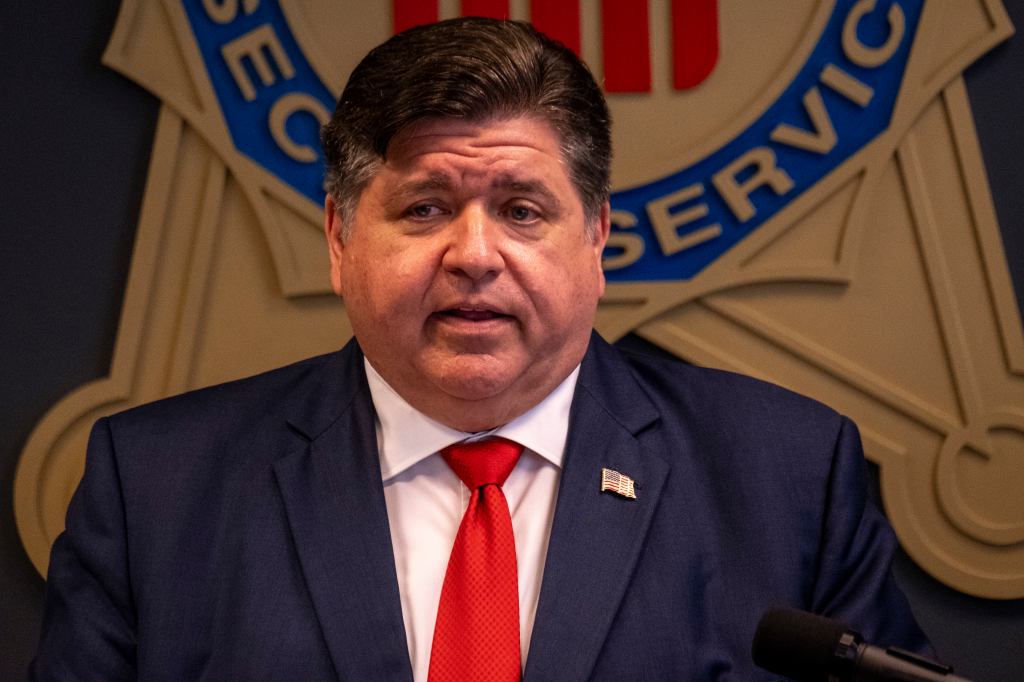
(473, 314)
(473, 317)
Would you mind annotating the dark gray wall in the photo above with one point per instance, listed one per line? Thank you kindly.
(75, 144)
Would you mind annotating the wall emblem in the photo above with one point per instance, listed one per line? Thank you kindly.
(799, 195)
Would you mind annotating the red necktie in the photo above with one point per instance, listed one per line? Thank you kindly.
(476, 636)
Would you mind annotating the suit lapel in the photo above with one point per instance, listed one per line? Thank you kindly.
(595, 537)
(331, 485)
(335, 505)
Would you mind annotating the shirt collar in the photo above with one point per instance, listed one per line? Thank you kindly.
(406, 436)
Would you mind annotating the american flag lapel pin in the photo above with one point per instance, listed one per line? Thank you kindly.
(618, 483)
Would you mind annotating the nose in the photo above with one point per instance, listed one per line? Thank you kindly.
(473, 248)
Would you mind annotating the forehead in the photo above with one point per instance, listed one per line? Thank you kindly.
(496, 141)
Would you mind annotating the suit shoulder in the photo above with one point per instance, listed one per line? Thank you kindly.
(721, 396)
(763, 439)
(252, 397)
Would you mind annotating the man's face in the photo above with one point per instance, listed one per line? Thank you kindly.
(468, 274)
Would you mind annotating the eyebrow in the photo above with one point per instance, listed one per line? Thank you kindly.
(433, 182)
(529, 187)
(441, 182)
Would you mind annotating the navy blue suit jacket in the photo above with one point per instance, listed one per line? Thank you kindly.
(240, 532)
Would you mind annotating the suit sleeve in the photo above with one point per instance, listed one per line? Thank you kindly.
(88, 629)
(853, 581)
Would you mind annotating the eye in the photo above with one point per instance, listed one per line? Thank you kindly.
(521, 213)
(424, 211)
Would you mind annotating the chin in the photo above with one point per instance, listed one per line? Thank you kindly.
(471, 376)
(470, 387)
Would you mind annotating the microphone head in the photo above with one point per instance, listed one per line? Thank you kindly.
(799, 645)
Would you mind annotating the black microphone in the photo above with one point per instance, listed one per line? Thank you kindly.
(810, 648)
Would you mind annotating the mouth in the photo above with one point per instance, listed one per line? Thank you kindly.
(473, 317)
(472, 314)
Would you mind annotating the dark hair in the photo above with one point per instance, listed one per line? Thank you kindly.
(473, 69)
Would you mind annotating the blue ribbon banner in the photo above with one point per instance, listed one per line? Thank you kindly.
(672, 228)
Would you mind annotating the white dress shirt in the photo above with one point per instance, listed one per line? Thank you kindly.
(426, 500)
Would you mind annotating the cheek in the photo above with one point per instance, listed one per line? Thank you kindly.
(565, 292)
(588, 287)
(385, 283)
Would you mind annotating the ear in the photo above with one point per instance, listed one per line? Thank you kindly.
(603, 229)
(335, 245)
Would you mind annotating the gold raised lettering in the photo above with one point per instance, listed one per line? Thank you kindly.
(846, 85)
(225, 11)
(863, 55)
(666, 223)
(737, 194)
(252, 45)
(279, 115)
(821, 139)
(631, 245)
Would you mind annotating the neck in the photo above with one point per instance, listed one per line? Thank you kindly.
(478, 413)
(472, 416)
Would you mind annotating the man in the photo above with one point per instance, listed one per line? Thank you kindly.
(309, 523)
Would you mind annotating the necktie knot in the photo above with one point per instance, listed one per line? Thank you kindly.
(483, 462)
